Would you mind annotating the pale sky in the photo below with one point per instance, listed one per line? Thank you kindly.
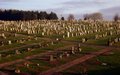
(65, 7)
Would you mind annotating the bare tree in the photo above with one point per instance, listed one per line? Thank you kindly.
(62, 18)
(71, 17)
(93, 16)
(86, 17)
(116, 17)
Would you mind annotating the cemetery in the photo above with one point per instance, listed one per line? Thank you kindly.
(36, 47)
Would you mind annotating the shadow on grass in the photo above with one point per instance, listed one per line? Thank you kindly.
(112, 71)
(67, 73)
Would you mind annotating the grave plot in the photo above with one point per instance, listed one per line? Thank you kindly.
(49, 61)
(29, 50)
(101, 65)
(33, 65)
(9, 40)
(21, 44)
(12, 42)
(19, 69)
(44, 57)
(115, 42)
(24, 51)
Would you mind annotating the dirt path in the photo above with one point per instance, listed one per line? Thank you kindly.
(74, 62)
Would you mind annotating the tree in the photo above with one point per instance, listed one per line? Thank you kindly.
(97, 16)
(71, 17)
(26, 15)
(93, 16)
(86, 17)
(116, 17)
(42, 15)
(52, 16)
(62, 18)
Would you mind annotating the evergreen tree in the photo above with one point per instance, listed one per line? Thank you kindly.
(26, 15)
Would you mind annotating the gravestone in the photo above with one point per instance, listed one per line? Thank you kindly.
(83, 40)
(52, 43)
(61, 56)
(17, 52)
(29, 49)
(51, 58)
(67, 54)
(80, 49)
(73, 52)
(36, 38)
(68, 34)
(73, 48)
(9, 42)
(17, 71)
(3, 35)
(79, 45)
(26, 64)
(63, 36)
(116, 40)
(38, 64)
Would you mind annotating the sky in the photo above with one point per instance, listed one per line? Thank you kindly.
(65, 7)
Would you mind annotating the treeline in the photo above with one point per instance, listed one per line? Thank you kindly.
(26, 15)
